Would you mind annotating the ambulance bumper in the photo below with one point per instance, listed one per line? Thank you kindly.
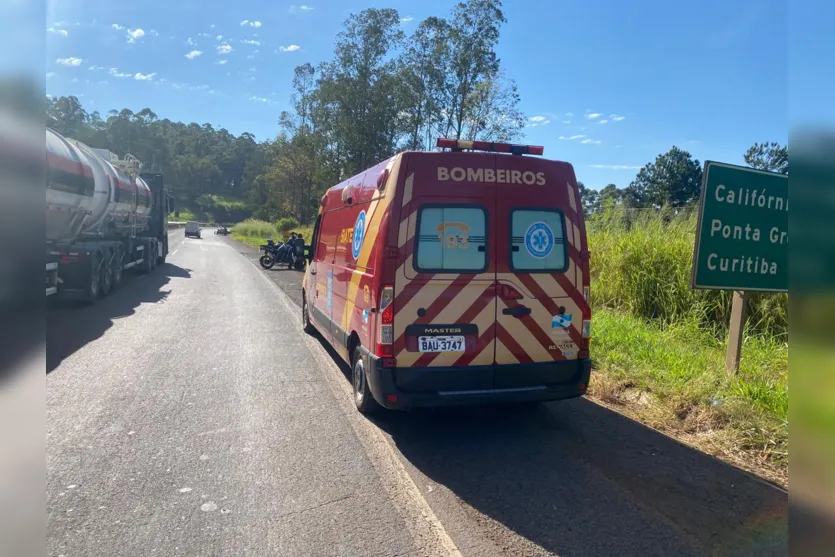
(400, 388)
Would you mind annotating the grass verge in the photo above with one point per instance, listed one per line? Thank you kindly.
(673, 378)
(255, 232)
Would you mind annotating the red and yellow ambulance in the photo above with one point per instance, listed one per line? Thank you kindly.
(454, 277)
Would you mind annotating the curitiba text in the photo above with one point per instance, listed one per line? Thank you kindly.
(750, 198)
(742, 264)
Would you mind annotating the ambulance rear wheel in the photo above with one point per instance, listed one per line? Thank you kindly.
(362, 394)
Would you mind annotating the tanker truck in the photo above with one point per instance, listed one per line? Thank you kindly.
(104, 216)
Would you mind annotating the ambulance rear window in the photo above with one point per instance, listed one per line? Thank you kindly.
(538, 240)
(451, 239)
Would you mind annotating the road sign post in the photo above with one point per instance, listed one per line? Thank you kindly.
(742, 239)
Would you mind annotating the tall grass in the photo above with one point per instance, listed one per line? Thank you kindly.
(640, 263)
(255, 232)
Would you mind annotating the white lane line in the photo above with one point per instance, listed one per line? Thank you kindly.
(175, 251)
(427, 532)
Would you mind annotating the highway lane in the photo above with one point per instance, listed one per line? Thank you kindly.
(187, 416)
(194, 421)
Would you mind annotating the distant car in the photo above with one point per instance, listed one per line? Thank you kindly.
(192, 229)
(222, 230)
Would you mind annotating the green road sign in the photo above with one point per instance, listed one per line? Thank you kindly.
(742, 239)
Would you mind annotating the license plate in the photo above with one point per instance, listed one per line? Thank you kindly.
(441, 344)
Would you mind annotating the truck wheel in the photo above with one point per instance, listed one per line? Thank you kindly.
(93, 285)
(153, 258)
(106, 280)
(362, 394)
(117, 269)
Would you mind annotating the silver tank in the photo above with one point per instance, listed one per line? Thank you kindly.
(118, 203)
(70, 188)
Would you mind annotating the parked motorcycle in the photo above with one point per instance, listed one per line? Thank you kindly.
(273, 254)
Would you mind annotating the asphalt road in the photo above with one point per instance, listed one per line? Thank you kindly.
(187, 415)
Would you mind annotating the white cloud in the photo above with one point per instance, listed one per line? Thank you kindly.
(259, 99)
(579, 136)
(154, 32)
(250, 56)
(190, 42)
(224, 49)
(219, 37)
(603, 121)
(305, 8)
(406, 19)
(566, 121)
(212, 26)
(72, 61)
(594, 115)
(206, 35)
(250, 41)
(290, 48)
(255, 24)
(116, 73)
(134, 34)
(50, 74)
(615, 166)
(591, 142)
(569, 114)
(221, 62)
(118, 27)
(194, 54)
(62, 32)
(144, 77)
(95, 68)
(534, 121)
(616, 118)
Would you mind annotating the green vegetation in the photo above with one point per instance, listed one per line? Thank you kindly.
(255, 232)
(659, 347)
(641, 264)
(184, 216)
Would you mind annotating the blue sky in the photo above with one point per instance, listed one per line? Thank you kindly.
(608, 85)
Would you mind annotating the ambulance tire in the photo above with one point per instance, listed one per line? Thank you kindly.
(363, 398)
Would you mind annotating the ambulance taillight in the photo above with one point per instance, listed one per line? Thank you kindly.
(385, 337)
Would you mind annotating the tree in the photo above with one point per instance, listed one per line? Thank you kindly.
(491, 112)
(768, 156)
(66, 115)
(674, 179)
(588, 198)
(474, 34)
(423, 77)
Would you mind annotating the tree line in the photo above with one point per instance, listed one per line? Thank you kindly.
(381, 92)
(674, 180)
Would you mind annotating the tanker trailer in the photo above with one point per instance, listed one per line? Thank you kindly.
(103, 217)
